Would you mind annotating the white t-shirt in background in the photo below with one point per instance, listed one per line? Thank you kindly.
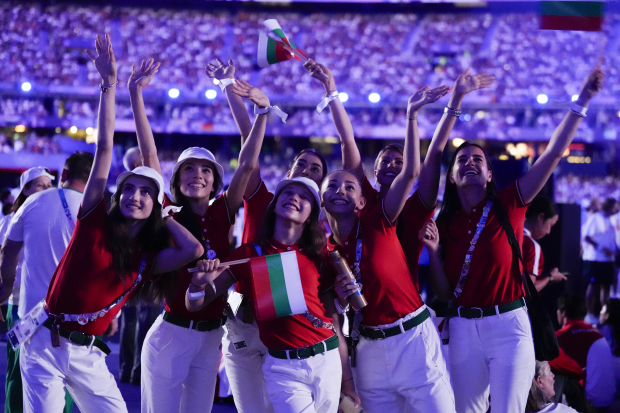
(598, 227)
(45, 230)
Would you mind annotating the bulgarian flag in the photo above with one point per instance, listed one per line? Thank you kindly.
(572, 15)
(271, 51)
(273, 26)
(277, 286)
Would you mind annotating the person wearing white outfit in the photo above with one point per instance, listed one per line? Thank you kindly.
(491, 348)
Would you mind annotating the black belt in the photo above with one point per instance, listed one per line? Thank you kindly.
(306, 352)
(380, 334)
(478, 313)
(78, 338)
(206, 325)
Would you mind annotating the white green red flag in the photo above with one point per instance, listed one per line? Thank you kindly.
(273, 26)
(277, 286)
(271, 51)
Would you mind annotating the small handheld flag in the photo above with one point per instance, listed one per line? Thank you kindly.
(274, 27)
(271, 51)
(572, 15)
(277, 286)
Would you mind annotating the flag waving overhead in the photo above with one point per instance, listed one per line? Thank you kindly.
(572, 15)
(273, 26)
(271, 51)
(277, 286)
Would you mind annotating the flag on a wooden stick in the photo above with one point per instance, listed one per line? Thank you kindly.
(277, 286)
(273, 26)
(572, 15)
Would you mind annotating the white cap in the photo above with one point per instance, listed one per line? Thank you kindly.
(33, 173)
(309, 183)
(146, 172)
(200, 153)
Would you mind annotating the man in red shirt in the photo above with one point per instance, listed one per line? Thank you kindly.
(585, 345)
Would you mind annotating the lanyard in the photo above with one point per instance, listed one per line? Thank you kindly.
(86, 317)
(472, 246)
(65, 205)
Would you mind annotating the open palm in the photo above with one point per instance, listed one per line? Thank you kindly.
(221, 71)
(425, 96)
(141, 77)
(466, 83)
(104, 61)
(245, 90)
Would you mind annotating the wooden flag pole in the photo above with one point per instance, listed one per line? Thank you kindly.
(223, 264)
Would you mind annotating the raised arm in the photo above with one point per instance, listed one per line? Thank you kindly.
(239, 112)
(186, 248)
(431, 169)
(248, 157)
(211, 279)
(399, 190)
(106, 66)
(534, 180)
(146, 142)
(351, 159)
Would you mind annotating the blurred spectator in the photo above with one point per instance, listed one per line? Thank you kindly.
(542, 392)
(609, 327)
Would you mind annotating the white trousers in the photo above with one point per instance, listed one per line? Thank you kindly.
(179, 368)
(405, 372)
(493, 354)
(310, 385)
(47, 371)
(244, 355)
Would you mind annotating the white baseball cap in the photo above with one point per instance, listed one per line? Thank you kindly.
(309, 183)
(146, 172)
(200, 153)
(33, 173)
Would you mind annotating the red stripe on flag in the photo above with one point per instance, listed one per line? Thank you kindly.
(263, 300)
(282, 55)
(580, 23)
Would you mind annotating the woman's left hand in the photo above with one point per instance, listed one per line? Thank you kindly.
(348, 389)
(425, 96)
(246, 90)
(222, 71)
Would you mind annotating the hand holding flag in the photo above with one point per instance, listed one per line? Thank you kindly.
(592, 84)
(322, 73)
(206, 271)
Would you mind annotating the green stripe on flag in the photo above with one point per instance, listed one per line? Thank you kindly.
(572, 8)
(271, 51)
(278, 285)
(279, 33)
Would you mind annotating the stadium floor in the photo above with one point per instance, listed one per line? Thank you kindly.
(130, 392)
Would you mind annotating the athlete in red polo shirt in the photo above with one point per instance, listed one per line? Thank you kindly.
(302, 371)
(398, 359)
(491, 342)
(107, 258)
(180, 357)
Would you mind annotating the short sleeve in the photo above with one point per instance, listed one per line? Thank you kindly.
(414, 215)
(219, 211)
(370, 193)
(15, 231)
(254, 209)
(95, 216)
(529, 256)
(510, 197)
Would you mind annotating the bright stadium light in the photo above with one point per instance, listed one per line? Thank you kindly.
(374, 97)
(26, 86)
(211, 94)
(574, 98)
(467, 117)
(542, 99)
(73, 129)
(89, 131)
(344, 96)
(174, 93)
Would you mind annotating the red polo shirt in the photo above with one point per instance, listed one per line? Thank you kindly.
(287, 333)
(254, 208)
(387, 284)
(85, 280)
(532, 255)
(576, 338)
(215, 226)
(411, 219)
(492, 277)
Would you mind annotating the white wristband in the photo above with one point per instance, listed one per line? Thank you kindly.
(225, 82)
(578, 110)
(276, 110)
(195, 296)
(325, 101)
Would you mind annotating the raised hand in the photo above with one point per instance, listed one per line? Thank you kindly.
(592, 84)
(143, 75)
(246, 90)
(429, 235)
(221, 71)
(466, 83)
(425, 96)
(322, 73)
(104, 61)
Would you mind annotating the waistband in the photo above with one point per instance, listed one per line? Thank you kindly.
(78, 338)
(478, 313)
(380, 334)
(206, 325)
(306, 352)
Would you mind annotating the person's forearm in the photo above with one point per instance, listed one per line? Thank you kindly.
(239, 113)
(411, 158)
(146, 141)
(8, 267)
(439, 279)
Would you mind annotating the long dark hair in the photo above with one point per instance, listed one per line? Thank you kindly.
(21, 198)
(541, 205)
(451, 200)
(153, 237)
(312, 239)
(315, 153)
(536, 399)
(613, 320)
